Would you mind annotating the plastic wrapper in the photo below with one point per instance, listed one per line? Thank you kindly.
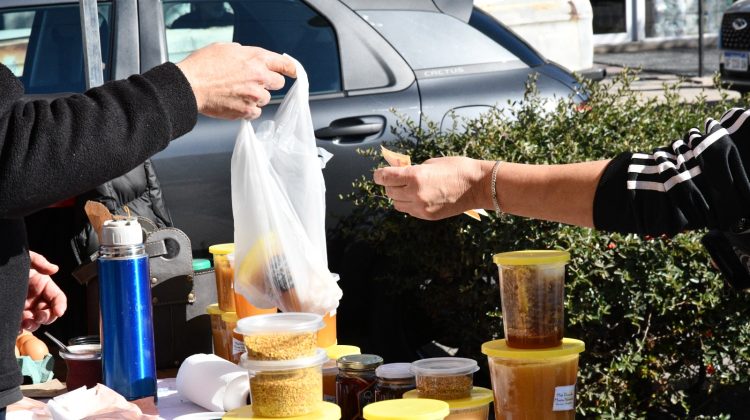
(278, 203)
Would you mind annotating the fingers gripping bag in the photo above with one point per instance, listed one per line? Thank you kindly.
(278, 203)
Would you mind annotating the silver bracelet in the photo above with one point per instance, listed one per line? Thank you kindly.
(493, 184)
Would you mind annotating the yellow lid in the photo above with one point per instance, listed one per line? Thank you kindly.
(213, 309)
(479, 398)
(531, 257)
(325, 411)
(412, 409)
(221, 249)
(339, 350)
(229, 317)
(498, 348)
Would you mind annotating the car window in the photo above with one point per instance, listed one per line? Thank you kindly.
(43, 46)
(431, 40)
(284, 26)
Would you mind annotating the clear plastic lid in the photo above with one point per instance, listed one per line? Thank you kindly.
(444, 366)
(287, 322)
(83, 352)
(318, 359)
(394, 371)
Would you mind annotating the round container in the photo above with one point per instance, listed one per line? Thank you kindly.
(355, 383)
(394, 379)
(243, 307)
(282, 336)
(286, 388)
(217, 330)
(536, 384)
(411, 409)
(84, 363)
(532, 284)
(445, 378)
(330, 370)
(233, 345)
(324, 411)
(224, 273)
(475, 407)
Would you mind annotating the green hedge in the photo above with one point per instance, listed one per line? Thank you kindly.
(664, 337)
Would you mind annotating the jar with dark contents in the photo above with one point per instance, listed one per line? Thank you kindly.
(394, 379)
(355, 383)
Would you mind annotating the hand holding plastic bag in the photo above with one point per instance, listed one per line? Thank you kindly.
(278, 203)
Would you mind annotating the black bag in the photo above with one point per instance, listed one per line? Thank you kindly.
(731, 253)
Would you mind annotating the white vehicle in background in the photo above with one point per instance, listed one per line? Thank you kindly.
(561, 30)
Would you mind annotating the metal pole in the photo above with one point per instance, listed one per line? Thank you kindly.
(92, 48)
(700, 38)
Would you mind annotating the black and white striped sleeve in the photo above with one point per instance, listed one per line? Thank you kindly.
(698, 181)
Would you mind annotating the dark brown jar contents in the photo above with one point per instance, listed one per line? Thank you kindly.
(355, 383)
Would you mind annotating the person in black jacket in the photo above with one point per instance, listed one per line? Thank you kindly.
(699, 181)
(50, 151)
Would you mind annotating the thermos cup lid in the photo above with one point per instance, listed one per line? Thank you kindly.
(121, 232)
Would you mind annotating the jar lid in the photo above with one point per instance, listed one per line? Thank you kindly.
(359, 362)
(324, 411)
(499, 348)
(280, 323)
(201, 264)
(394, 371)
(479, 397)
(413, 409)
(121, 232)
(444, 366)
(221, 249)
(339, 350)
(229, 317)
(213, 309)
(531, 257)
(317, 359)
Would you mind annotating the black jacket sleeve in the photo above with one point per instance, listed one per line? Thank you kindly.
(698, 181)
(50, 151)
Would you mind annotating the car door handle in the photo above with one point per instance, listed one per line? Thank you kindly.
(356, 128)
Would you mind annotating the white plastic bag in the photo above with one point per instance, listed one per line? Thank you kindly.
(278, 203)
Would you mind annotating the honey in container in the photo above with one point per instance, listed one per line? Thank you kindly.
(224, 272)
(534, 384)
(531, 293)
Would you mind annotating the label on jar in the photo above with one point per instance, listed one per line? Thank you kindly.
(565, 398)
(238, 346)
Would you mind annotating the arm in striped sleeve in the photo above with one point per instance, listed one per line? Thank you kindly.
(698, 181)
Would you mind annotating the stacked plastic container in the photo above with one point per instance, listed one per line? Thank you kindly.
(533, 369)
(284, 362)
(451, 380)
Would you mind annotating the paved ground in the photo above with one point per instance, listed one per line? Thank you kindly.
(667, 65)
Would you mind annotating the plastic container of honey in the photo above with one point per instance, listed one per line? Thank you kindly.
(474, 407)
(232, 340)
(217, 330)
(224, 272)
(532, 285)
(534, 384)
(330, 369)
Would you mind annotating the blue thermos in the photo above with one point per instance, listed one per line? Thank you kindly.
(128, 357)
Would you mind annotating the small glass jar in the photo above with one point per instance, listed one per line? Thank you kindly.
(394, 379)
(355, 383)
